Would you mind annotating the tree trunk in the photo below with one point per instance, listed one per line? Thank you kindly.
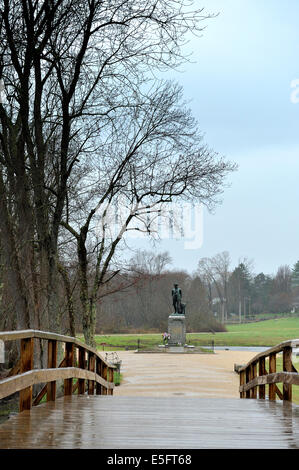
(69, 298)
(15, 285)
(240, 311)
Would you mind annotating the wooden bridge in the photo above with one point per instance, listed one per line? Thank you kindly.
(88, 416)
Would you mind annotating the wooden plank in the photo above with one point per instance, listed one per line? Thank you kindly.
(272, 379)
(253, 376)
(287, 367)
(14, 335)
(69, 362)
(294, 343)
(262, 371)
(272, 369)
(82, 365)
(278, 392)
(91, 367)
(23, 334)
(111, 375)
(52, 363)
(103, 374)
(105, 377)
(43, 391)
(98, 371)
(242, 382)
(105, 384)
(120, 422)
(26, 364)
(18, 382)
(247, 380)
(15, 370)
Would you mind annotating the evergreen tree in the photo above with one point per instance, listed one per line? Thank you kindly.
(241, 290)
(295, 275)
(261, 290)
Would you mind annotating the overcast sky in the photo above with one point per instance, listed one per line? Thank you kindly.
(240, 91)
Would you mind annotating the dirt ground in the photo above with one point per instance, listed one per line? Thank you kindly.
(193, 375)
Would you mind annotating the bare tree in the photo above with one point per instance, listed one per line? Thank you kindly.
(58, 58)
(153, 155)
(150, 262)
(214, 271)
(221, 264)
(283, 278)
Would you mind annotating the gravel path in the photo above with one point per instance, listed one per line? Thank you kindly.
(193, 375)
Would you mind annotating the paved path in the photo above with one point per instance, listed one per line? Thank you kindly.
(190, 375)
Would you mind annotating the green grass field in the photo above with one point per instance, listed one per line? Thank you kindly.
(262, 333)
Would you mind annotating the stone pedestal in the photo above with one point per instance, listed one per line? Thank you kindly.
(177, 330)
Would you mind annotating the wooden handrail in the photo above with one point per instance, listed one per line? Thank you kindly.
(254, 377)
(293, 343)
(23, 334)
(279, 377)
(94, 369)
(36, 376)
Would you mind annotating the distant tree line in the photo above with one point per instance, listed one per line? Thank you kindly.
(215, 294)
(239, 293)
(138, 298)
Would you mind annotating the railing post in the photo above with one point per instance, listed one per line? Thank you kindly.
(253, 391)
(272, 370)
(287, 367)
(105, 376)
(81, 364)
(262, 371)
(26, 364)
(242, 382)
(247, 379)
(52, 363)
(111, 375)
(69, 362)
(91, 366)
(98, 371)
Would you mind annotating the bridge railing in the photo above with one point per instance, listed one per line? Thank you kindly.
(254, 376)
(79, 361)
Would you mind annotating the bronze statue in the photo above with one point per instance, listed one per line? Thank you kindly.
(176, 293)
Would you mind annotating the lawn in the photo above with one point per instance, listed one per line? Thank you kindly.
(262, 333)
(121, 342)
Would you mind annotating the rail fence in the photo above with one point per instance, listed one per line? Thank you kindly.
(254, 376)
(80, 361)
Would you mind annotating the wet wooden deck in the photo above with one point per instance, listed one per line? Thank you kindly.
(116, 422)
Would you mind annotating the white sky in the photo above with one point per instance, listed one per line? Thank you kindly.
(240, 91)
